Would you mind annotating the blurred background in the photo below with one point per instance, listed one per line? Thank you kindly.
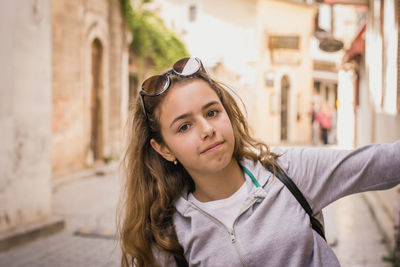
(310, 73)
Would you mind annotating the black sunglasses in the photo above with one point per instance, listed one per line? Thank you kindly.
(158, 84)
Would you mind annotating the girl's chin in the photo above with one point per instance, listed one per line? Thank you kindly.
(219, 164)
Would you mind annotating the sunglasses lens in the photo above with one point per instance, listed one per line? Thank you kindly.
(155, 84)
(187, 66)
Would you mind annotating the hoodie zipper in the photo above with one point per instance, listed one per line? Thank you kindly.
(239, 252)
(230, 232)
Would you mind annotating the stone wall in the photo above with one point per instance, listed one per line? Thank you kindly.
(76, 26)
(25, 113)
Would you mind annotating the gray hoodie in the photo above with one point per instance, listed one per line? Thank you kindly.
(272, 229)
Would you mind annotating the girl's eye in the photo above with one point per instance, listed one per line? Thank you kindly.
(212, 113)
(183, 128)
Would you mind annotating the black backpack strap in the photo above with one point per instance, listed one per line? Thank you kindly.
(180, 262)
(315, 224)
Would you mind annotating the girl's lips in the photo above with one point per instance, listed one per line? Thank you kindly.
(213, 147)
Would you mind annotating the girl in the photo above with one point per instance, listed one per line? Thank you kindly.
(200, 191)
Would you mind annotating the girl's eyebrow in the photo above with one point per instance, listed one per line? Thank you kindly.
(185, 115)
(210, 104)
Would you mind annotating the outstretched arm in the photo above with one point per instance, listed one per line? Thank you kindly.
(325, 175)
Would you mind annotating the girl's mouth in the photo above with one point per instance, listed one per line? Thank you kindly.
(213, 147)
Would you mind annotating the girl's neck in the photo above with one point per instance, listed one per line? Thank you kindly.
(219, 185)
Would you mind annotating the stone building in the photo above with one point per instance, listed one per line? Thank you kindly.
(369, 93)
(259, 47)
(64, 100)
(25, 114)
(89, 82)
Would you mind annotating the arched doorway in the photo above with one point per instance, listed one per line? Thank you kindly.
(285, 87)
(96, 99)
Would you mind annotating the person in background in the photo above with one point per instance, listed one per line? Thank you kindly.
(324, 118)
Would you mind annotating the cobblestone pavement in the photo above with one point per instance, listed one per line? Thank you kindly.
(352, 231)
(89, 204)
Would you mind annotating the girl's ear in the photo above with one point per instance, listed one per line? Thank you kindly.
(163, 150)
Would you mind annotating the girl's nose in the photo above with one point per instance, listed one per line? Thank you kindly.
(207, 130)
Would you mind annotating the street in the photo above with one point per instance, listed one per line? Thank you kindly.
(351, 226)
(88, 203)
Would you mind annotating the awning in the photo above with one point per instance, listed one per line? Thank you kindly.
(345, 2)
(357, 46)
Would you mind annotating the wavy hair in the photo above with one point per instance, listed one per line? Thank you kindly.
(153, 184)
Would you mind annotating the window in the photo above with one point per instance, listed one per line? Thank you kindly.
(192, 13)
(317, 86)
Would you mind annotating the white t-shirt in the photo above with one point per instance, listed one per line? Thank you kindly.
(227, 209)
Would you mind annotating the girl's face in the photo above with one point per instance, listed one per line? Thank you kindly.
(196, 128)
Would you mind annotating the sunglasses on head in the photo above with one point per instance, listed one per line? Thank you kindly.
(158, 84)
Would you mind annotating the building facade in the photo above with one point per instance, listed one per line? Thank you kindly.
(90, 82)
(25, 114)
(370, 88)
(260, 48)
(64, 100)
(335, 28)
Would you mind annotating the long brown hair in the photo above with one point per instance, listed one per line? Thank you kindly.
(153, 184)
